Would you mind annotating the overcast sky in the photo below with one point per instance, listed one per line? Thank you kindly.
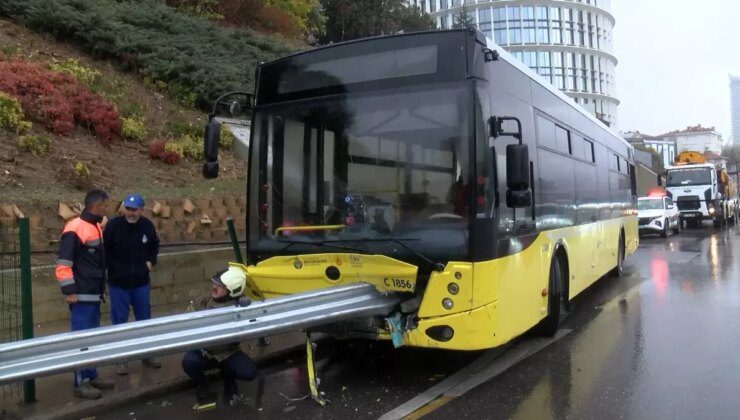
(674, 60)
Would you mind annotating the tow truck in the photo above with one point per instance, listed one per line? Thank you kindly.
(700, 189)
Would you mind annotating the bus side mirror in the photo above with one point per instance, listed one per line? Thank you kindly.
(519, 192)
(212, 138)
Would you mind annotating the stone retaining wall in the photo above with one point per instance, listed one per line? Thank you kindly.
(206, 222)
(177, 279)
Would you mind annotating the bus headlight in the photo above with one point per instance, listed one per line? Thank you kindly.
(447, 303)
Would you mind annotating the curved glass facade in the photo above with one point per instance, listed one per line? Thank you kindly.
(568, 42)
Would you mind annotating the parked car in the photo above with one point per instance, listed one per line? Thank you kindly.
(657, 214)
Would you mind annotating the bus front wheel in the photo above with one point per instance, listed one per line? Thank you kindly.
(549, 325)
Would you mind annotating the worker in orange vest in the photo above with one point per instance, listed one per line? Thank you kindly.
(80, 272)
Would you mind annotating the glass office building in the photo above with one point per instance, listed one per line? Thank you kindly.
(735, 108)
(568, 42)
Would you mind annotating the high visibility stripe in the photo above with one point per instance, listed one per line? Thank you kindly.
(88, 298)
(65, 263)
(66, 282)
(63, 272)
(94, 242)
(87, 232)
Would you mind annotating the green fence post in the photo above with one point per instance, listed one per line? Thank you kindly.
(24, 229)
(234, 241)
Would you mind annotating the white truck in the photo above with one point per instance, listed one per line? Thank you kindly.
(699, 189)
(656, 213)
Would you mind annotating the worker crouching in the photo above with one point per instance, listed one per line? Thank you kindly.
(228, 287)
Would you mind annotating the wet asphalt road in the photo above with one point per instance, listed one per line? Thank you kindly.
(663, 341)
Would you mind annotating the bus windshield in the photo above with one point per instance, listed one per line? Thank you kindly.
(689, 176)
(374, 166)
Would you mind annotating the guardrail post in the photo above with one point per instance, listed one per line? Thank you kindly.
(24, 230)
(234, 241)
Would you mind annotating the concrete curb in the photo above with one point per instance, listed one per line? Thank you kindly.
(90, 408)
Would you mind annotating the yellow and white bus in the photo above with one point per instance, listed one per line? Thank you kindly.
(434, 166)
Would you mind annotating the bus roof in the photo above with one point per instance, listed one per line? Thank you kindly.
(549, 86)
(509, 58)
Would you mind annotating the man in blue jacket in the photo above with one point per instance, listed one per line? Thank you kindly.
(131, 248)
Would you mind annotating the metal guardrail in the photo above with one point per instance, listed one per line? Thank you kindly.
(155, 337)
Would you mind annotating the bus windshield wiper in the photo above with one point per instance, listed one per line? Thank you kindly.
(433, 266)
(289, 243)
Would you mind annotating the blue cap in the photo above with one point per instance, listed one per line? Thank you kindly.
(133, 201)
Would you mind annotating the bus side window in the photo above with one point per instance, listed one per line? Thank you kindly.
(562, 137)
(589, 150)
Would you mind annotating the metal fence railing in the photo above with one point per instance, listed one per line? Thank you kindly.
(16, 306)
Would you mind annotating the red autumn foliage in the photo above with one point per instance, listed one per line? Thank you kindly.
(156, 152)
(171, 158)
(156, 149)
(258, 15)
(57, 101)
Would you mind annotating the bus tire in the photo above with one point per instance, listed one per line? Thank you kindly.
(618, 270)
(549, 325)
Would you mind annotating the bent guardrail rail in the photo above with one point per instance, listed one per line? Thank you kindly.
(155, 337)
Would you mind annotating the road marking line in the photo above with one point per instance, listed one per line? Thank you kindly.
(486, 367)
(427, 409)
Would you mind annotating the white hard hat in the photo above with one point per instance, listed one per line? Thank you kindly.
(233, 279)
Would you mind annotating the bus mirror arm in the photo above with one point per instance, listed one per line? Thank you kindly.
(496, 127)
(212, 132)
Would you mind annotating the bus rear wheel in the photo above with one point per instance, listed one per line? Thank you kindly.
(549, 326)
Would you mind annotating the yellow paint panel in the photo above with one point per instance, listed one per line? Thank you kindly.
(437, 290)
(497, 300)
(473, 330)
(507, 298)
(286, 275)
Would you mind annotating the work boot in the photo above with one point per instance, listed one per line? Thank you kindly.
(203, 394)
(230, 390)
(102, 383)
(152, 362)
(122, 369)
(87, 391)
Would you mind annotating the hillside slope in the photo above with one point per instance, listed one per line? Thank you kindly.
(123, 165)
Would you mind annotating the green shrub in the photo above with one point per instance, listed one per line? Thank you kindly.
(178, 128)
(81, 170)
(208, 9)
(36, 145)
(84, 75)
(227, 138)
(194, 57)
(133, 128)
(192, 147)
(80, 176)
(11, 115)
(174, 147)
(9, 50)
